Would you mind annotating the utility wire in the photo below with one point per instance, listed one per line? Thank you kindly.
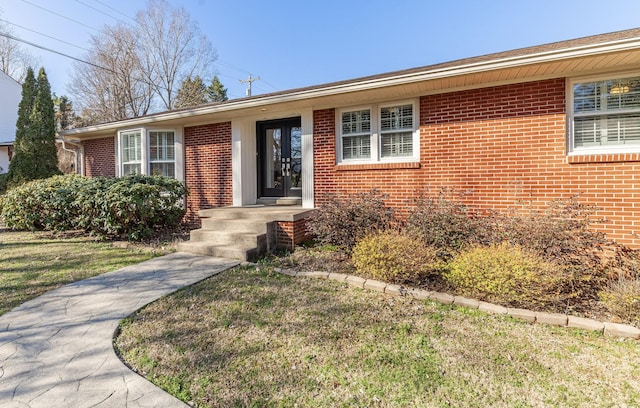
(42, 47)
(113, 9)
(44, 35)
(100, 11)
(60, 15)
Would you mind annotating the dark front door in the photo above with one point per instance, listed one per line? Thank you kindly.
(280, 158)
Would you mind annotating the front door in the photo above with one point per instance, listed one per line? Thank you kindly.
(280, 158)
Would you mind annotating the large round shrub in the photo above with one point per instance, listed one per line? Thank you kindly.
(505, 273)
(393, 256)
(131, 207)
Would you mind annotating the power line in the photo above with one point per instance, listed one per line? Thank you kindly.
(113, 9)
(60, 15)
(99, 11)
(44, 35)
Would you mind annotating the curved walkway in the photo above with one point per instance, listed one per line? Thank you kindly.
(56, 350)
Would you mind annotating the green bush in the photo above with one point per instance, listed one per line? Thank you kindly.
(622, 299)
(343, 222)
(505, 273)
(395, 257)
(129, 207)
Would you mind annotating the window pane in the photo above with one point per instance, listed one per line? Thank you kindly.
(128, 169)
(161, 146)
(606, 95)
(131, 147)
(163, 169)
(398, 144)
(356, 147)
(607, 130)
(396, 117)
(356, 122)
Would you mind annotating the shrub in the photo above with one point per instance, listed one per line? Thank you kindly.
(393, 256)
(343, 222)
(46, 204)
(129, 207)
(622, 299)
(505, 273)
(445, 224)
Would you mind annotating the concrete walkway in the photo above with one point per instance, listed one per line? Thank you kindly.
(56, 350)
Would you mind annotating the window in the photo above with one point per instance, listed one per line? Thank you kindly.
(152, 152)
(162, 155)
(605, 115)
(379, 133)
(131, 143)
(356, 134)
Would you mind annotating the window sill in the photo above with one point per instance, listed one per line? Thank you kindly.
(603, 158)
(378, 166)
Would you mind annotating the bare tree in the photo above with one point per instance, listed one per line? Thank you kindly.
(138, 69)
(173, 48)
(112, 86)
(14, 58)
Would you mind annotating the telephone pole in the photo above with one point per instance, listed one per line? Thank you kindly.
(249, 82)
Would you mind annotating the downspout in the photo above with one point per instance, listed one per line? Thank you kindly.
(75, 154)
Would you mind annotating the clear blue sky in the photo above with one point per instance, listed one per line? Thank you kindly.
(295, 43)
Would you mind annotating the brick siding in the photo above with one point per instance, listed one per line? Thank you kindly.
(207, 168)
(499, 148)
(291, 233)
(100, 157)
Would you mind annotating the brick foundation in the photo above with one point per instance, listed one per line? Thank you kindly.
(291, 233)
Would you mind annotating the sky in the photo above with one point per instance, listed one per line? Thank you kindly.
(298, 43)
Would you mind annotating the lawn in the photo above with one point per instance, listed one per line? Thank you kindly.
(34, 263)
(251, 337)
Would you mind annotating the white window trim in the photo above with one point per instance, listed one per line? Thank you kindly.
(593, 150)
(376, 138)
(146, 163)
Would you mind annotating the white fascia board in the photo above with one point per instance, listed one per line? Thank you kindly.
(400, 79)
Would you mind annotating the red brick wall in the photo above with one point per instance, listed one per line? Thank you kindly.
(100, 157)
(207, 168)
(499, 147)
(291, 233)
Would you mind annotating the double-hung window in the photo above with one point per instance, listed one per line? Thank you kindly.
(605, 115)
(378, 133)
(151, 152)
(131, 146)
(162, 156)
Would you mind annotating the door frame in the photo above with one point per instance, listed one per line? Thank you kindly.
(286, 124)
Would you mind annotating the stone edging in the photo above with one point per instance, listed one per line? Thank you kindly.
(553, 319)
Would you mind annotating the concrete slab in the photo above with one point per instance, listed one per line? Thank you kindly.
(56, 350)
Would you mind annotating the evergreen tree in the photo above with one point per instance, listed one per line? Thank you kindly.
(65, 117)
(35, 153)
(192, 92)
(216, 91)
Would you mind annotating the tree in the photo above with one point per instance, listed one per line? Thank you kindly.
(14, 58)
(217, 92)
(137, 69)
(192, 92)
(65, 116)
(35, 154)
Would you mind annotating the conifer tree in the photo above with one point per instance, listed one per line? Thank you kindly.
(35, 153)
(192, 92)
(217, 92)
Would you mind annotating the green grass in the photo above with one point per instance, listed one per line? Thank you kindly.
(34, 263)
(252, 338)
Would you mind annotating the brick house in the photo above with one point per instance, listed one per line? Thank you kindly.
(529, 125)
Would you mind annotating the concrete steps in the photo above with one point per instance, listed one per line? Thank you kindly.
(243, 233)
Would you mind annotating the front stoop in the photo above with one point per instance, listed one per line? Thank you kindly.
(243, 233)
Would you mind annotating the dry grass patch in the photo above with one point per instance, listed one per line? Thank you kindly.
(254, 338)
(34, 263)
